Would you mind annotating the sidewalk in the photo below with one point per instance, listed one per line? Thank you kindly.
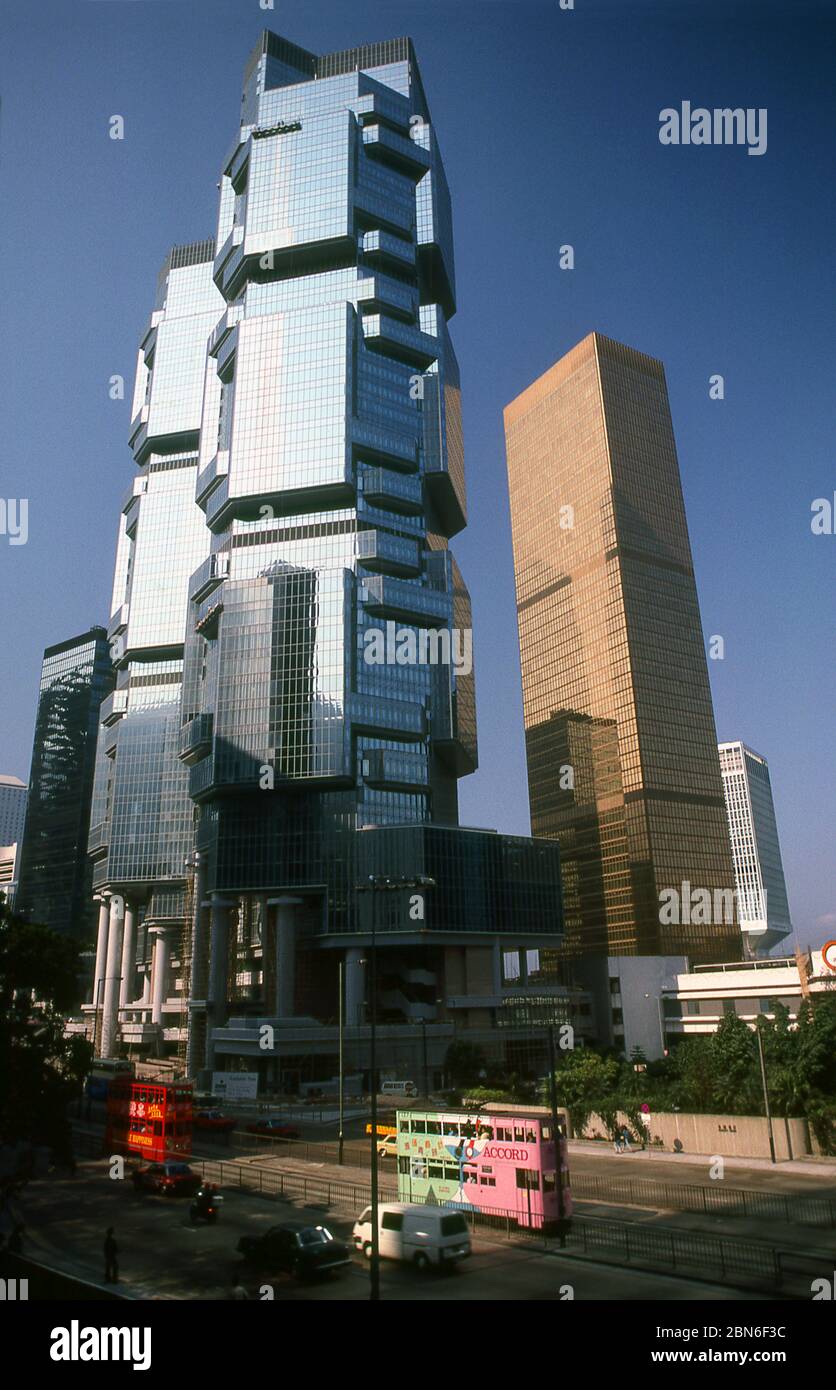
(812, 1165)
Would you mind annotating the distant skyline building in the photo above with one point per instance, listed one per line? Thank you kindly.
(297, 433)
(620, 735)
(9, 855)
(759, 872)
(54, 872)
(13, 797)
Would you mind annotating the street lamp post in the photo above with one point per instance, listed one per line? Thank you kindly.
(341, 976)
(558, 1157)
(767, 1110)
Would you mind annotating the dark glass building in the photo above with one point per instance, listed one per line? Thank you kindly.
(55, 874)
(621, 745)
(295, 694)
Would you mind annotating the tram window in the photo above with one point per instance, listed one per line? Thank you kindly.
(419, 1126)
(485, 1132)
(451, 1128)
(487, 1182)
(433, 1126)
(546, 1133)
(519, 1134)
(548, 1182)
(528, 1177)
(158, 1127)
(530, 1136)
(403, 1125)
(403, 1164)
(436, 1170)
(503, 1133)
(450, 1173)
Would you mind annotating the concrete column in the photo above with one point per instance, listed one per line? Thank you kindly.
(219, 909)
(159, 971)
(101, 954)
(355, 987)
(126, 989)
(285, 953)
(113, 965)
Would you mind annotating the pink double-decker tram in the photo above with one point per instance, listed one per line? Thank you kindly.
(498, 1160)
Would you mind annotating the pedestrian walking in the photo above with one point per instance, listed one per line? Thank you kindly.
(111, 1258)
(625, 1139)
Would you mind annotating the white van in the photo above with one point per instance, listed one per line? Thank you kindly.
(398, 1088)
(423, 1236)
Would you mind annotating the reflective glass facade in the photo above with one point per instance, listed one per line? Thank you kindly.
(55, 875)
(291, 632)
(620, 735)
(331, 475)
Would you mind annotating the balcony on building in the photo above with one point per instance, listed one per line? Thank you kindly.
(398, 151)
(396, 492)
(196, 739)
(385, 596)
(394, 770)
(388, 554)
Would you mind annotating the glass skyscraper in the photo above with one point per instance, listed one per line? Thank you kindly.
(55, 874)
(292, 633)
(761, 891)
(620, 737)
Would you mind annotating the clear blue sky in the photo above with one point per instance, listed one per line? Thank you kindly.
(713, 260)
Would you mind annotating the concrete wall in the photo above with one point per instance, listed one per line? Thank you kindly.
(741, 1136)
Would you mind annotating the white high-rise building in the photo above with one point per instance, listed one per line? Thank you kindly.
(13, 794)
(761, 891)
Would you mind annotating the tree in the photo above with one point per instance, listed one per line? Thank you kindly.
(42, 1070)
(585, 1084)
(734, 1058)
(463, 1063)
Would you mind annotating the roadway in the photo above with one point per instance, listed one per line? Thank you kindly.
(163, 1256)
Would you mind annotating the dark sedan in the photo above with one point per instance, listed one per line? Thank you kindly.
(274, 1127)
(303, 1251)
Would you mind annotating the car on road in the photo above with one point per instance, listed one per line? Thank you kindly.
(274, 1127)
(214, 1121)
(388, 1146)
(303, 1251)
(167, 1179)
(421, 1235)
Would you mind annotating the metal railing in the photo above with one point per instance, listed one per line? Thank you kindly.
(718, 1200)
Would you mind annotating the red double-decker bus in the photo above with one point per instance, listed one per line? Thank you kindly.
(151, 1118)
